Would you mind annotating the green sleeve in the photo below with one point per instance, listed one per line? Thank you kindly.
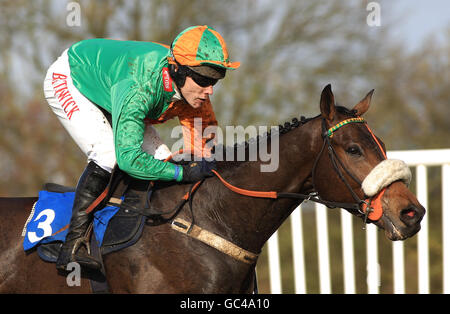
(130, 105)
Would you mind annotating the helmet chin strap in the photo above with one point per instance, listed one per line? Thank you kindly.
(178, 78)
(180, 93)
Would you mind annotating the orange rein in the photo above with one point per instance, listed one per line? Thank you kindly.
(270, 194)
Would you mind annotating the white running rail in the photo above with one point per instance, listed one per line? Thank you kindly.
(421, 159)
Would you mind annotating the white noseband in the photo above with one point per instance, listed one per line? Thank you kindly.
(386, 172)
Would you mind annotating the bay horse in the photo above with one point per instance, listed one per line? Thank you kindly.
(167, 261)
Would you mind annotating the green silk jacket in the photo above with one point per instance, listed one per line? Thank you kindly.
(130, 80)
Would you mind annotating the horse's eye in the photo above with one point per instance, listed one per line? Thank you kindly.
(354, 150)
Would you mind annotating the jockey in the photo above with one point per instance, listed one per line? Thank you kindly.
(108, 93)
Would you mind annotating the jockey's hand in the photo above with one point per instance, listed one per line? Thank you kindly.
(197, 170)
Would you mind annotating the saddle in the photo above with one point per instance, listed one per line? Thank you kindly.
(131, 196)
(130, 200)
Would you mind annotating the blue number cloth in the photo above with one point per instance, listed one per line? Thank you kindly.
(50, 218)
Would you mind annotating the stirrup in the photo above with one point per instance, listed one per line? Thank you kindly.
(83, 240)
(89, 261)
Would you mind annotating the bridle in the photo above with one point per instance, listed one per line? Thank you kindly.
(361, 207)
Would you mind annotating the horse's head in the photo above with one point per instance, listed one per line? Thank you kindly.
(348, 156)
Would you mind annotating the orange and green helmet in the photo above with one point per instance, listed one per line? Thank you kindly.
(199, 46)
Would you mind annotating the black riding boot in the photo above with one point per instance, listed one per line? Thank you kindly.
(91, 184)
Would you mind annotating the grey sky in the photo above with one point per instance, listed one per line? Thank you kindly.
(420, 19)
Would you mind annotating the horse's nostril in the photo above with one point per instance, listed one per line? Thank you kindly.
(409, 215)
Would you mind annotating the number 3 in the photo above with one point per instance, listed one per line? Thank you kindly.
(44, 225)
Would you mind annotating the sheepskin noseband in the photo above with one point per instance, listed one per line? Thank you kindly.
(386, 172)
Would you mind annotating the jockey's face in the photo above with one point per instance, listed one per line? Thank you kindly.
(195, 95)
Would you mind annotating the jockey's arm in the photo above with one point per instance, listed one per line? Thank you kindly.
(130, 106)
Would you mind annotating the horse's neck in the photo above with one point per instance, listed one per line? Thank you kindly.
(251, 221)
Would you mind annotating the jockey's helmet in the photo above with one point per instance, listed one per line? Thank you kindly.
(202, 50)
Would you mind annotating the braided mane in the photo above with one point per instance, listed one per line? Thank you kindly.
(282, 129)
(295, 123)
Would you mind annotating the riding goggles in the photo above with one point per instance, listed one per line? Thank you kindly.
(200, 80)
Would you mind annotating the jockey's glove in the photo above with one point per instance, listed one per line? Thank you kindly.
(197, 170)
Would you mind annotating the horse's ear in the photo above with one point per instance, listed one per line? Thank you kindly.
(327, 106)
(364, 104)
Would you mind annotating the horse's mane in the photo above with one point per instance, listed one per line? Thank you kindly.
(282, 129)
